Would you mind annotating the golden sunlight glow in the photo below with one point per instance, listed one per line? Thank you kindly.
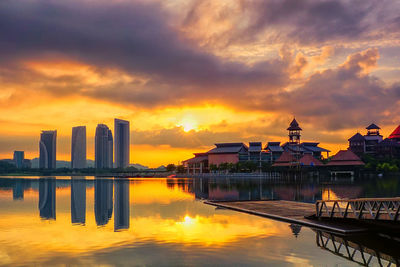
(188, 123)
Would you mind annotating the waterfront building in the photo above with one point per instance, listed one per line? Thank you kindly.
(197, 164)
(48, 150)
(78, 147)
(103, 147)
(273, 151)
(239, 152)
(121, 143)
(18, 159)
(373, 143)
(227, 153)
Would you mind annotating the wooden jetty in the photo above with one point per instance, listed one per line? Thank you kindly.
(289, 211)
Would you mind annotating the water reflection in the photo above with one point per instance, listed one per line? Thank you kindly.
(103, 200)
(47, 198)
(121, 220)
(78, 200)
(18, 190)
(169, 226)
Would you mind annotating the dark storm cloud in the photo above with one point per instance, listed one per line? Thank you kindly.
(301, 21)
(131, 36)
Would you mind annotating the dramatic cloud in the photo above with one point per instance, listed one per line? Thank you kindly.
(304, 21)
(249, 64)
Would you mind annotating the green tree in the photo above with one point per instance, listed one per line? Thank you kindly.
(171, 167)
(180, 169)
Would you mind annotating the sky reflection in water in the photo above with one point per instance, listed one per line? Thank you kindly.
(149, 222)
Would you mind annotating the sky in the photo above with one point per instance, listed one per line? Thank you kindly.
(190, 73)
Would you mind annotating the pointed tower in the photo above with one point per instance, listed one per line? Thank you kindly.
(294, 132)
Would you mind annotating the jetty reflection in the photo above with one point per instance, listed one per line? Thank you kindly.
(367, 250)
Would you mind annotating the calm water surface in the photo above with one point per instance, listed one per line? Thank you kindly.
(163, 222)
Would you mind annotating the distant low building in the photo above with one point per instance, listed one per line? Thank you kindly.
(19, 157)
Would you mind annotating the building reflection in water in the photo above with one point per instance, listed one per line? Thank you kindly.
(121, 219)
(18, 190)
(103, 200)
(47, 198)
(78, 200)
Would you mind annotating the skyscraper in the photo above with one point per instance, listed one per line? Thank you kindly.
(121, 141)
(103, 147)
(78, 147)
(19, 157)
(47, 148)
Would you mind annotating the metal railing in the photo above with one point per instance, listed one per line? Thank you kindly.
(355, 251)
(363, 208)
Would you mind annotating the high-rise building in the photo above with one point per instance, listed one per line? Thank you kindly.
(121, 142)
(47, 148)
(19, 157)
(103, 147)
(78, 147)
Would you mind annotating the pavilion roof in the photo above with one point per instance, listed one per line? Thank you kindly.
(294, 126)
(286, 159)
(309, 160)
(373, 126)
(395, 134)
(357, 137)
(345, 158)
(228, 148)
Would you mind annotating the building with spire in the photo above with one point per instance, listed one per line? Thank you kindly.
(373, 144)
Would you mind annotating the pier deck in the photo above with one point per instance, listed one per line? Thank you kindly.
(288, 211)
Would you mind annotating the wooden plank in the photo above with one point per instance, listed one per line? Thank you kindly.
(287, 211)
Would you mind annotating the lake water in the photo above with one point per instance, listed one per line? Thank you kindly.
(163, 222)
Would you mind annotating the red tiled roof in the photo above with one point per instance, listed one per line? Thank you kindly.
(286, 159)
(309, 160)
(395, 133)
(345, 158)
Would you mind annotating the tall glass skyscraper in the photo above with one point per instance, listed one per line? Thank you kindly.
(103, 152)
(48, 149)
(78, 147)
(122, 143)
